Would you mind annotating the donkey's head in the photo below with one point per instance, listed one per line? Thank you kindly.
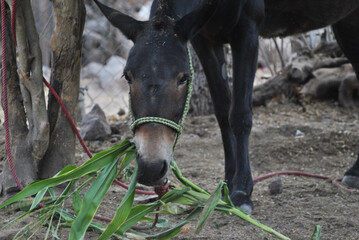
(158, 73)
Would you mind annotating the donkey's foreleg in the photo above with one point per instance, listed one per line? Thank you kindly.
(244, 43)
(212, 58)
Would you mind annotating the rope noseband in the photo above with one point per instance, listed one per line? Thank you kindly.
(178, 127)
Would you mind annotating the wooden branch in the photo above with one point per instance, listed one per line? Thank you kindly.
(279, 52)
(299, 72)
(31, 59)
(24, 66)
(270, 89)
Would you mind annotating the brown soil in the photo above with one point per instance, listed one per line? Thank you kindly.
(328, 146)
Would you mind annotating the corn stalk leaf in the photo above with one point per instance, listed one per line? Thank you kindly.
(92, 200)
(123, 210)
(184, 180)
(38, 199)
(227, 199)
(169, 233)
(138, 212)
(98, 161)
(39, 196)
(65, 192)
(210, 206)
(76, 201)
(316, 233)
(130, 156)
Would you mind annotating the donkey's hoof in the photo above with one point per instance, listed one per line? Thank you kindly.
(242, 200)
(351, 181)
(246, 208)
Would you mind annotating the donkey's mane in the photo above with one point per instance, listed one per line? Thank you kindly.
(163, 15)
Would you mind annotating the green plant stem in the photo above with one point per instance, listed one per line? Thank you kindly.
(184, 180)
(223, 206)
(248, 218)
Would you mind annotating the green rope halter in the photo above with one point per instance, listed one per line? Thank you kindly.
(176, 126)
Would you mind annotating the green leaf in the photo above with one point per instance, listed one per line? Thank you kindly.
(184, 180)
(92, 200)
(64, 193)
(227, 199)
(66, 169)
(201, 197)
(138, 212)
(176, 229)
(98, 161)
(210, 206)
(162, 223)
(245, 216)
(316, 233)
(54, 233)
(69, 218)
(77, 201)
(187, 199)
(176, 208)
(51, 192)
(38, 198)
(130, 156)
(123, 210)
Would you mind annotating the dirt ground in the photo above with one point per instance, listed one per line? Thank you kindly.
(321, 140)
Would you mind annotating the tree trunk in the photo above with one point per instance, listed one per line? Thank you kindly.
(201, 102)
(66, 45)
(28, 141)
(45, 24)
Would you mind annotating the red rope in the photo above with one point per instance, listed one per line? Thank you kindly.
(304, 174)
(269, 175)
(5, 106)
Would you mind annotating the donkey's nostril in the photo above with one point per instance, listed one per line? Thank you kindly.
(164, 169)
(151, 172)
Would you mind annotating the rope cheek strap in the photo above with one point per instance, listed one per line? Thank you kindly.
(178, 127)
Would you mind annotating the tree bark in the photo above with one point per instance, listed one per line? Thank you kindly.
(66, 45)
(201, 102)
(45, 23)
(20, 137)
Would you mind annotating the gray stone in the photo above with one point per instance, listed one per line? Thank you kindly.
(276, 186)
(94, 125)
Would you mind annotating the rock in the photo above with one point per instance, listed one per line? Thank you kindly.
(276, 186)
(94, 125)
(349, 92)
(116, 128)
(121, 112)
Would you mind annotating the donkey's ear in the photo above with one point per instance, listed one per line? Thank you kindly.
(129, 26)
(189, 25)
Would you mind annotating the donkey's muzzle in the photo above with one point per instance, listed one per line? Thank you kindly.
(151, 173)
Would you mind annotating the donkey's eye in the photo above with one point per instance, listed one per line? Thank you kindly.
(128, 79)
(183, 80)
